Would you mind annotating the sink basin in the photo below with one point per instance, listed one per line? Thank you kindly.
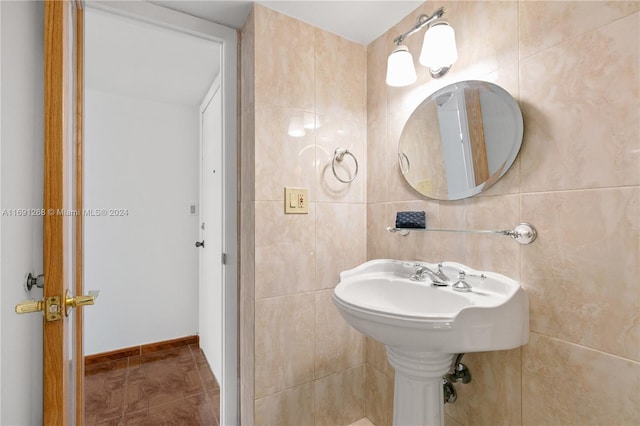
(423, 326)
(378, 299)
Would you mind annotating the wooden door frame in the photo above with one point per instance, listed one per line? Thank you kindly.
(55, 382)
(79, 205)
(60, 22)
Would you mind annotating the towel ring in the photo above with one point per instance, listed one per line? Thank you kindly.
(338, 156)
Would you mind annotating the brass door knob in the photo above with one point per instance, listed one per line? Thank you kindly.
(30, 306)
(75, 301)
(80, 301)
(50, 306)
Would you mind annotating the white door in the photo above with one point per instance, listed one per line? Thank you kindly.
(211, 229)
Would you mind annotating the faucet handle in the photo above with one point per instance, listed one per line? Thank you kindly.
(418, 274)
(461, 285)
(441, 273)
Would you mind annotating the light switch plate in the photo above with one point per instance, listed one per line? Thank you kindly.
(296, 200)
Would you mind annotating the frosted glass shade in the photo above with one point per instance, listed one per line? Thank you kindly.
(400, 69)
(439, 47)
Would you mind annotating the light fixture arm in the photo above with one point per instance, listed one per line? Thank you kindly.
(422, 21)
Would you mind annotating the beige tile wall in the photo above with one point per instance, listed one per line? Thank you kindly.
(301, 363)
(573, 67)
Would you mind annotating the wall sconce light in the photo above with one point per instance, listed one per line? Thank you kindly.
(400, 69)
(439, 51)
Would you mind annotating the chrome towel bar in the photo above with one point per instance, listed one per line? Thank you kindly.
(523, 233)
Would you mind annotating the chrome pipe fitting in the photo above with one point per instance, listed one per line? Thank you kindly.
(459, 374)
(450, 394)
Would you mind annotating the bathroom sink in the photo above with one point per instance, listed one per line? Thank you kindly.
(379, 299)
(423, 325)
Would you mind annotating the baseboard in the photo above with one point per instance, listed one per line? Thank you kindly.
(140, 350)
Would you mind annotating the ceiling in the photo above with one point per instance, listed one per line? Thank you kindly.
(361, 21)
(131, 58)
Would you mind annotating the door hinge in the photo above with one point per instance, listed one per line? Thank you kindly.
(224, 258)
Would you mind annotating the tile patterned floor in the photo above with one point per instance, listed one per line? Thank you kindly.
(169, 387)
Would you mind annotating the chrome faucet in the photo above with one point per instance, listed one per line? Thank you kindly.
(461, 285)
(441, 273)
(438, 278)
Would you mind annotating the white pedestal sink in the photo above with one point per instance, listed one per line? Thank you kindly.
(424, 326)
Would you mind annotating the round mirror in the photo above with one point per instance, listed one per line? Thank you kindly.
(460, 140)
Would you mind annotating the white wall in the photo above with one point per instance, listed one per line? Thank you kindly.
(21, 147)
(141, 156)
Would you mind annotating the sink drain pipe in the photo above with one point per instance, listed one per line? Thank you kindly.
(459, 373)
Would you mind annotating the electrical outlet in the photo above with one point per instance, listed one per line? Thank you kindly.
(296, 200)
